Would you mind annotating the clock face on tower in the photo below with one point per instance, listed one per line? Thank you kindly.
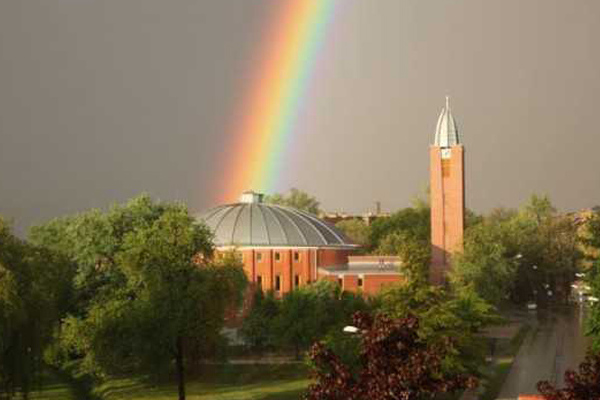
(446, 153)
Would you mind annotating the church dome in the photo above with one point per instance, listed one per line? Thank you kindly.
(446, 132)
(253, 223)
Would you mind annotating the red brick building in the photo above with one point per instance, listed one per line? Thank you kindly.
(284, 248)
(447, 185)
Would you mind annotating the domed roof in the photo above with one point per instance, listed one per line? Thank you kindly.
(253, 223)
(446, 132)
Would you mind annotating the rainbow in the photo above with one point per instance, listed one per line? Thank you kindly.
(261, 137)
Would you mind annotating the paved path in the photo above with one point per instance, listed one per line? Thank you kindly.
(555, 344)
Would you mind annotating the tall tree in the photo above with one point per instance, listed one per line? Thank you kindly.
(149, 296)
(297, 199)
(527, 255)
(34, 289)
(412, 222)
(356, 229)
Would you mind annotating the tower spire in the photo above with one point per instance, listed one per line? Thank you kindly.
(446, 132)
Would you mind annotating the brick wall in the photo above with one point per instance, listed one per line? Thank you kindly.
(447, 208)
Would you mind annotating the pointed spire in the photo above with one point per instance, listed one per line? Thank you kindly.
(446, 132)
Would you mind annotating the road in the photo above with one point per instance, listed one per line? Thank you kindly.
(556, 343)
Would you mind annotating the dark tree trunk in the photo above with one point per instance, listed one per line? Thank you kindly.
(180, 369)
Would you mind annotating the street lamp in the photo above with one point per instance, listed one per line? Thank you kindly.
(350, 329)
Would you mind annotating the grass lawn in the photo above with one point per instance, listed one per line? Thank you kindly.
(53, 388)
(220, 382)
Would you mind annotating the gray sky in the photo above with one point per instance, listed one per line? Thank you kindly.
(102, 100)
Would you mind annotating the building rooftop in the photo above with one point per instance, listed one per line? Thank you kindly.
(254, 223)
(371, 265)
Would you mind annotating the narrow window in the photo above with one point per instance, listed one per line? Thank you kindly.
(259, 281)
(360, 282)
(258, 257)
(297, 281)
(341, 282)
(277, 256)
(277, 283)
(296, 256)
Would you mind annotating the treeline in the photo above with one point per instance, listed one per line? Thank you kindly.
(135, 289)
(35, 292)
(510, 255)
(592, 275)
(318, 313)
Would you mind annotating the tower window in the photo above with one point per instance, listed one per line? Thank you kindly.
(296, 256)
(360, 282)
(297, 281)
(341, 282)
(259, 281)
(278, 283)
(258, 257)
(277, 256)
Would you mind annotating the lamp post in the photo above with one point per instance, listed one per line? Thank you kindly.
(350, 329)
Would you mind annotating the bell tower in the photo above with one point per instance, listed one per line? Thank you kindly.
(447, 185)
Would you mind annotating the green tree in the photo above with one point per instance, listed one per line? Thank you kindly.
(459, 313)
(539, 207)
(34, 288)
(485, 263)
(415, 255)
(592, 227)
(166, 307)
(258, 326)
(297, 199)
(527, 255)
(313, 312)
(147, 296)
(412, 222)
(356, 229)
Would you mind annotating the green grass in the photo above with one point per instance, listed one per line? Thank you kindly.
(220, 382)
(52, 387)
(497, 378)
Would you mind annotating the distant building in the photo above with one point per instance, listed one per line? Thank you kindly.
(368, 218)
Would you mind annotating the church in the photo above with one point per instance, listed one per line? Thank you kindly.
(283, 249)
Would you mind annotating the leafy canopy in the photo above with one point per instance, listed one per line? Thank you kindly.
(297, 199)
